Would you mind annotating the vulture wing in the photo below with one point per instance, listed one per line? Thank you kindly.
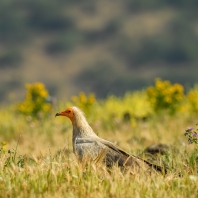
(98, 149)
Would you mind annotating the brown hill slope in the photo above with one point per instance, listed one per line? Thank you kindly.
(105, 47)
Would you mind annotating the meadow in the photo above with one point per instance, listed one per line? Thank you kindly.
(36, 158)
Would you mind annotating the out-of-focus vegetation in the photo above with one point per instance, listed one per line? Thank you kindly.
(36, 103)
(105, 47)
(164, 96)
(84, 102)
(192, 136)
(36, 157)
(192, 97)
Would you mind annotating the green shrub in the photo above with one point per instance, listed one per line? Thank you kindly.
(192, 97)
(35, 103)
(165, 96)
(84, 102)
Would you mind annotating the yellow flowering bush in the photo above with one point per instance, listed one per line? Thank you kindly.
(192, 97)
(35, 103)
(165, 95)
(84, 102)
(134, 103)
(133, 106)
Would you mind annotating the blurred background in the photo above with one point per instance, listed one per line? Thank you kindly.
(106, 47)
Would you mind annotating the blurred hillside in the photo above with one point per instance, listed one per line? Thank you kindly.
(106, 47)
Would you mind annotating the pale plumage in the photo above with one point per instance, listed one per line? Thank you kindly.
(88, 146)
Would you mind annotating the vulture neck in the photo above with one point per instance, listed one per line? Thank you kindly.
(81, 127)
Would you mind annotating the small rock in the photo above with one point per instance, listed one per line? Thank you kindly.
(157, 148)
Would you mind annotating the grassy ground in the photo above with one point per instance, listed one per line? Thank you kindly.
(37, 165)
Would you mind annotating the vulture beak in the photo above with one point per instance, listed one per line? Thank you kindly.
(62, 113)
(57, 114)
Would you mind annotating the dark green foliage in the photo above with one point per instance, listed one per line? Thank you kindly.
(63, 44)
(21, 18)
(47, 15)
(100, 35)
(178, 44)
(141, 5)
(103, 78)
(10, 59)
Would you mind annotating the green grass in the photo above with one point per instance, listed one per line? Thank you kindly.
(41, 163)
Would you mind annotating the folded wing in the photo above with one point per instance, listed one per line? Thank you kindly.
(98, 149)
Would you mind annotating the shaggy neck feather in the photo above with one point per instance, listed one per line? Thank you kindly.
(80, 125)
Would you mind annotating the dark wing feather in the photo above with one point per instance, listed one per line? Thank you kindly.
(129, 159)
(93, 147)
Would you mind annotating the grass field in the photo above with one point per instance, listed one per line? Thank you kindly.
(36, 158)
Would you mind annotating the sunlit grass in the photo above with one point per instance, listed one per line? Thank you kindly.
(36, 158)
(62, 176)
